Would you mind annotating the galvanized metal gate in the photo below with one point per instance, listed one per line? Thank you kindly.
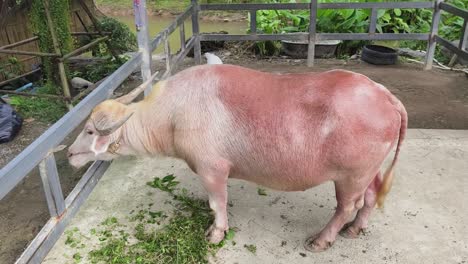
(41, 151)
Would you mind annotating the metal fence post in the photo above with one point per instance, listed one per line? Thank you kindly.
(373, 21)
(462, 44)
(195, 32)
(51, 183)
(312, 33)
(182, 36)
(253, 22)
(141, 23)
(167, 53)
(431, 45)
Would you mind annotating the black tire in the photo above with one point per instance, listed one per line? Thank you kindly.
(379, 55)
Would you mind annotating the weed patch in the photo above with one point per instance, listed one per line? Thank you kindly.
(42, 109)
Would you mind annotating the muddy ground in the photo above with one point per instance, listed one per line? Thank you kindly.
(434, 99)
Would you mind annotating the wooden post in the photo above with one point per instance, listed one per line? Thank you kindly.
(312, 33)
(431, 45)
(196, 32)
(141, 23)
(61, 66)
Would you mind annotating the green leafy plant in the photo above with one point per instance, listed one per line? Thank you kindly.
(357, 21)
(451, 25)
(122, 39)
(94, 73)
(11, 67)
(328, 20)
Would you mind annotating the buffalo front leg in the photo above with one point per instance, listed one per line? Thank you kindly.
(214, 180)
(348, 199)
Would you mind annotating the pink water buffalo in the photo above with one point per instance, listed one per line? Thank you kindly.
(289, 132)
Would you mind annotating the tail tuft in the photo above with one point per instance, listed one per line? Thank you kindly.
(388, 176)
(385, 187)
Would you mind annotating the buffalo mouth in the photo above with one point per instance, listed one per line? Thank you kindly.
(72, 155)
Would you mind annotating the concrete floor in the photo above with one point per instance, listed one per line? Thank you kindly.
(425, 219)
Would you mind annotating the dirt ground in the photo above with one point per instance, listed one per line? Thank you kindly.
(433, 99)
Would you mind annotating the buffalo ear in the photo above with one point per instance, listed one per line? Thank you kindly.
(100, 144)
(109, 116)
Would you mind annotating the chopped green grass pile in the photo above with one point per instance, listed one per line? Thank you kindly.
(157, 238)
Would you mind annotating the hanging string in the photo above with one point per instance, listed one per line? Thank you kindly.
(136, 10)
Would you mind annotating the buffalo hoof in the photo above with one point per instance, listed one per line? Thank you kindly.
(313, 245)
(214, 235)
(351, 232)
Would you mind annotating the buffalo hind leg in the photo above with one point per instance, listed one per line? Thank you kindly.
(348, 199)
(214, 179)
(354, 228)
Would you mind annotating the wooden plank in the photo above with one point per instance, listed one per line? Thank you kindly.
(19, 43)
(19, 77)
(83, 48)
(22, 52)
